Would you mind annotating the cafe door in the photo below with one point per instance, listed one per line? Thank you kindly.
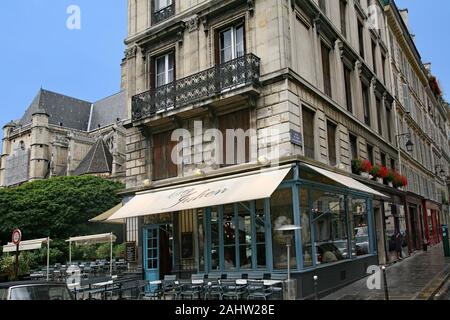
(158, 252)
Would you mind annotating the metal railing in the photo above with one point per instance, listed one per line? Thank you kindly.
(219, 79)
(163, 14)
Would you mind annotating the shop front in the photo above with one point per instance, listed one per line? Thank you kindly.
(432, 223)
(230, 225)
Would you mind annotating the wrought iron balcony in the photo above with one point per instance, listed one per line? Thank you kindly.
(222, 78)
(163, 14)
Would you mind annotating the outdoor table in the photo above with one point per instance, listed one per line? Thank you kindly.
(103, 284)
(267, 283)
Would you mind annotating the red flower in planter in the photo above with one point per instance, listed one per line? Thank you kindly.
(404, 181)
(383, 173)
(366, 166)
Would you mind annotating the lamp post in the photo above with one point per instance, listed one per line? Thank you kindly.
(409, 147)
(288, 249)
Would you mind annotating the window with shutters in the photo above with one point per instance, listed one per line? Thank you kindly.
(353, 146)
(163, 166)
(326, 72)
(331, 135)
(348, 88)
(366, 104)
(235, 150)
(308, 132)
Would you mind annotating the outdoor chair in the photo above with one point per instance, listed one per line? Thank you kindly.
(170, 288)
(256, 290)
(191, 290)
(231, 290)
(213, 288)
(234, 276)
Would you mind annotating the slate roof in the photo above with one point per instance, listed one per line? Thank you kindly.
(97, 160)
(108, 110)
(70, 112)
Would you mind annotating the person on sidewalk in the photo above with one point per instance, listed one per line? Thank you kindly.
(398, 245)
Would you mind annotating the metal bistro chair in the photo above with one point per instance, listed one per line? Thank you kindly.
(232, 290)
(170, 287)
(213, 288)
(195, 288)
(257, 290)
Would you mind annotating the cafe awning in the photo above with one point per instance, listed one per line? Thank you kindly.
(219, 191)
(103, 218)
(93, 239)
(346, 181)
(26, 245)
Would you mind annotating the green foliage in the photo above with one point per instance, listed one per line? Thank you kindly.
(57, 207)
(103, 251)
(119, 251)
(7, 265)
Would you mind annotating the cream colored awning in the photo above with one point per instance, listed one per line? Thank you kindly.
(103, 218)
(25, 245)
(92, 239)
(218, 191)
(346, 181)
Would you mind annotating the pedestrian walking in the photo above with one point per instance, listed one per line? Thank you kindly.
(398, 245)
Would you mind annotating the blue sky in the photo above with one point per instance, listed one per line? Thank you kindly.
(38, 49)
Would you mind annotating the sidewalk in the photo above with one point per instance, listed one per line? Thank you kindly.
(416, 278)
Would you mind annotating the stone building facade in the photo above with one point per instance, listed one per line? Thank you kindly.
(315, 79)
(55, 135)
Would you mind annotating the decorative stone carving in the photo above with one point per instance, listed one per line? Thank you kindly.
(193, 24)
(251, 7)
(131, 52)
(205, 25)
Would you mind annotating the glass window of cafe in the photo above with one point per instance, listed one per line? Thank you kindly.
(238, 237)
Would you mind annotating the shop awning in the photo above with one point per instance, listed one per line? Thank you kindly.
(346, 181)
(218, 191)
(92, 239)
(25, 245)
(103, 218)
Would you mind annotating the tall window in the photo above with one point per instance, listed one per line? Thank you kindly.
(308, 132)
(326, 69)
(281, 213)
(378, 106)
(374, 56)
(348, 88)
(165, 66)
(392, 164)
(360, 226)
(353, 146)
(331, 133)
(231, 43)
(383, 67)
(163, 166)
(323, 6)
(366, 104)
(236, 148)
(343, 14)
(361, 38)
(370, 153)
(388, 123)
(383, 159)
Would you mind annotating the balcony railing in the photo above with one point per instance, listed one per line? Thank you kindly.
(222, 78)
(163, 14)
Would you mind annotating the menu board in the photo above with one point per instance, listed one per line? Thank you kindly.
(130, 251)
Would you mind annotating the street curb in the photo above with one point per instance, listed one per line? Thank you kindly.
(431, 289)
(447, 278)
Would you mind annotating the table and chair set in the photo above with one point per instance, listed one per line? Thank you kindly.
(252, 286)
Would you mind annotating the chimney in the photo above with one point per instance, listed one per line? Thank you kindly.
(404, 14)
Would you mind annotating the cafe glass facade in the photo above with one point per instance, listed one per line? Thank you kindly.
(337, 227)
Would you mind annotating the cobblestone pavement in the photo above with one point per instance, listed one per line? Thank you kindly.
(418, 277)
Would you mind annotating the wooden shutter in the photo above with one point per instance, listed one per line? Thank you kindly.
(236, 120)
(308, 132)
(331, 133)
(348, 89)
(217, 47)
(152, 73)
(158, 161)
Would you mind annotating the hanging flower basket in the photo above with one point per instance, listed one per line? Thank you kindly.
(366, 168)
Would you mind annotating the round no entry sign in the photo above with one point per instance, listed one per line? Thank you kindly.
(16, 236)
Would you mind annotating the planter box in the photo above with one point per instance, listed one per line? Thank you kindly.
(365, 175)
(390, 184)
(380, 180)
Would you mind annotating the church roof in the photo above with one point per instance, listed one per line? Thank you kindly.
(63, 110)
(108, 111)
(97, 160)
